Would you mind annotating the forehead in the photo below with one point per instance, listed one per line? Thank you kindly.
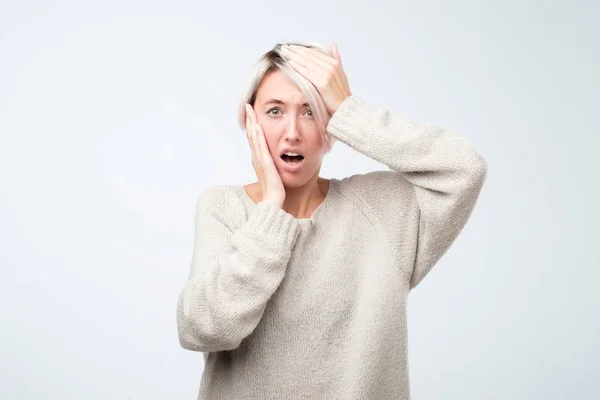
(275, 85)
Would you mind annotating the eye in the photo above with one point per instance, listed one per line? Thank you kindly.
(309, 113)
(277, 110)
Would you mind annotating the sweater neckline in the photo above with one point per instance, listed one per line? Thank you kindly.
(315, 214)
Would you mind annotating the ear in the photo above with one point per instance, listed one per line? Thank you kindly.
(335, 52)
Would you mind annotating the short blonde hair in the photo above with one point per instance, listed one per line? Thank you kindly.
(274, 60)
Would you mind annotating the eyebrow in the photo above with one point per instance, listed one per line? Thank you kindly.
(278, 101)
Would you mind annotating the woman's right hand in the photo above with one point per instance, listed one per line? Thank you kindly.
(270, 182)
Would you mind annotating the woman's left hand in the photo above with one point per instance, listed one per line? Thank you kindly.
(326, 73)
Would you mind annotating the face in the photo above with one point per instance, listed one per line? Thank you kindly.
(288, 123)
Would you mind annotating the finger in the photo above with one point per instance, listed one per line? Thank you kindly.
(262, 145)
(309, 61)
(250, 113)
(303, 70)
(256, 147)
(313, 54)
(315, 73)
(312, 68)
(248, 125)
(336, 53)
(250, 137)
(250, 129)
(322, 80)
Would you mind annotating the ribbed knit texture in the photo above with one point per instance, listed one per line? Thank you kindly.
(315, 308)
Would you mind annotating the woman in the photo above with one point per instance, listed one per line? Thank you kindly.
(298, 284)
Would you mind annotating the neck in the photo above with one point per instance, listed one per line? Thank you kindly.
(302, 201)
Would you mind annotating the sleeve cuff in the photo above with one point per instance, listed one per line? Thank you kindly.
(272, 221)
(347, 118)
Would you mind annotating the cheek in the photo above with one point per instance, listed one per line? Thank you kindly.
(268, 125)
(312, 135)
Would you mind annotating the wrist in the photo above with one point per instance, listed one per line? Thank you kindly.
(277, 202)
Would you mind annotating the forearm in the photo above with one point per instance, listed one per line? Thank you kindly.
(428, 155)
(226, 295)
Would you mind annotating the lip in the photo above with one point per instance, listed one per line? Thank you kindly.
(291, 167)
(291, 150)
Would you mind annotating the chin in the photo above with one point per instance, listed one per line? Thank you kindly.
(294, 181)
(299, 177)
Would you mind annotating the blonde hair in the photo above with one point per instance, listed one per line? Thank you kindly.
(272, 61)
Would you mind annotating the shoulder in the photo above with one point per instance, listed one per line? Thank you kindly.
(385, 195)
(224, 201)
(213, 197)
(381, 184)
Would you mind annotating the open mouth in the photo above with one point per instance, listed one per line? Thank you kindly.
(292, 158)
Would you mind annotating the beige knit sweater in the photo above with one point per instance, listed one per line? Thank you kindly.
(287, 308)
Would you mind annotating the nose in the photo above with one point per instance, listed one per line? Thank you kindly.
(292, 133)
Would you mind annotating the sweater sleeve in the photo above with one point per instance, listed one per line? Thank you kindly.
(233, 272)
(444, 169)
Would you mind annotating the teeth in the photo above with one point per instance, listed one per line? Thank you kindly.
(291, 154)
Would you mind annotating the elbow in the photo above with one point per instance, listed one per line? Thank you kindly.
(477, 172)
(187, 342)
(187, 339)
(190, 340)
(481, 168)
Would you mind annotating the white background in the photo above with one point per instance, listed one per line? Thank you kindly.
(114, 115)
